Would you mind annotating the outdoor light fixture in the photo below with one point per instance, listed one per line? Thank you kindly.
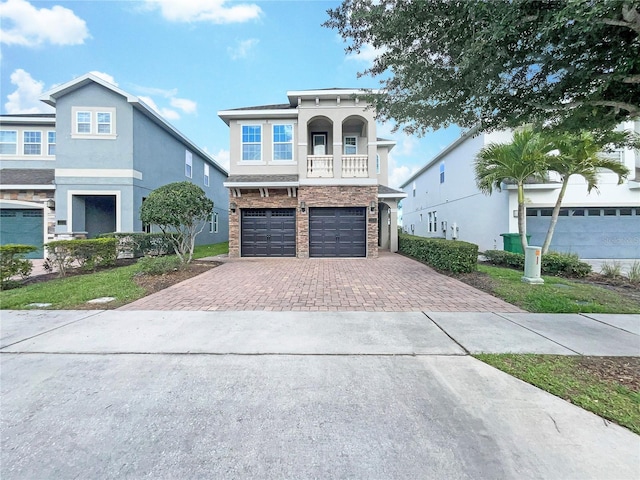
(303, 207)
(233, 207)
(50, 203)
(372, 206)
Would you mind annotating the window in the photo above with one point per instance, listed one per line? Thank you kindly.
(213, 224)
(104, 122)
(8, 142)
(414, 189)
(188, 164)
(83, 122)
(430, 219)
(252, 142)
(442, 172)
(283, 142)
(32, 143)
(435, 222)
(206, 175)
(351, 145)
(51, 143)
(378, 164)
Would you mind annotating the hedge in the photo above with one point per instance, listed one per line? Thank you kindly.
(445, 255)
(87, 254)
(553, 263)
(140, 244)
(12, 263)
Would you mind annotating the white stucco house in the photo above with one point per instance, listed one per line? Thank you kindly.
(443, 201)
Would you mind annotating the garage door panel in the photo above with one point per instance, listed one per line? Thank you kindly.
(24, 227)
(337, 232)
(268, 233)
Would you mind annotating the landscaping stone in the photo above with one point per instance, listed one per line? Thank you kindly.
(102, 300)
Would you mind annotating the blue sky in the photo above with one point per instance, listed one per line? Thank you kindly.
(189, 59)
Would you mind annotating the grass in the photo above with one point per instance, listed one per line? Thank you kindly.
(564, 377)
(74, 292)
(556, 295)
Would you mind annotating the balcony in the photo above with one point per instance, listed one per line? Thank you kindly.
(353, 166)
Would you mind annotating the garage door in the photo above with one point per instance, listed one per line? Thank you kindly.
(22, 226)
(268, 232)
(591, 232)
(337, 232)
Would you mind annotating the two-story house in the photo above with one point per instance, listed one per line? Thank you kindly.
(443, 201)
(86, 169)
(308, 178)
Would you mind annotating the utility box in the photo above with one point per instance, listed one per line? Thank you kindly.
(511, 242)
(532, 265)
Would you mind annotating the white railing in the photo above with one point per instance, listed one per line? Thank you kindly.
(355, 166)
(319, 166)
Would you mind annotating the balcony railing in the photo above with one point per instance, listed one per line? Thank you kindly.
(355, 166)
(319, 166)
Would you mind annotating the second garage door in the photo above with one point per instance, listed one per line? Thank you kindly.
(268, 232)
(338, 232)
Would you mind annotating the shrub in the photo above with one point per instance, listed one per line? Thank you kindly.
(553, 263)
(634, 272)
(158, 265)
(611, 270)
(139, 244)
(444, 255)
(87, 254)
(12, 263)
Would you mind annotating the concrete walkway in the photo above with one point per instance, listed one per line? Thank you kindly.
(116, 394)
(390, 283)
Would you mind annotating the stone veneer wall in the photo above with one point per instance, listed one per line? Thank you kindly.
(313, 196)
(35, 196)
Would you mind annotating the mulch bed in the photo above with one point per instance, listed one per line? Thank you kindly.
(155, 283)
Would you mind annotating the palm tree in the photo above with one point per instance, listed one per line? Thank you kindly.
(581, 154)
(525, 158)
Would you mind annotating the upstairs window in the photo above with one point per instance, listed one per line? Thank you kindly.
(252, 142)
(206, 175)
(51, 143)
(188, 164)
(104, 122)
(351, 145)
(8, 142)
(283, 142)
(32, 143)
(83, 122)
(442, 172)
(378, 164)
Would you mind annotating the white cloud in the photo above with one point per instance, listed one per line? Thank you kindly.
(167, 113)
(398, 173)
(184, 104)
(106, 77)
(24, 24)
(223, 157)
(242, 48)
(367, 54)
(26, 97)
(214, 11)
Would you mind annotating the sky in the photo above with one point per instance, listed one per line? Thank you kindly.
(189, 59)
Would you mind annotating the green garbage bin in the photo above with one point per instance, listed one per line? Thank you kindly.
(511, 242)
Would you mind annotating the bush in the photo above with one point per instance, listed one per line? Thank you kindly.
(444, 255)
(634, 272)
(140, 244)
(12, 263)
(158, 265)
(553, 263)
(87, 254)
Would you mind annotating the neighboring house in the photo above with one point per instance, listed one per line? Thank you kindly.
(308, 179)
(86, 169)
(443, 201)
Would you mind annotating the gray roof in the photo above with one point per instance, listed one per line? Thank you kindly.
(279, 106)
(383, 189)
(261, 178)
(28, 176)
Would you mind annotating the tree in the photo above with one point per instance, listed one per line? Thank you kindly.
(581, 154)
(180, 210)
(502, 63)
(525, 158)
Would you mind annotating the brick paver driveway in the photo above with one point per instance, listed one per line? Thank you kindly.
(390, 283)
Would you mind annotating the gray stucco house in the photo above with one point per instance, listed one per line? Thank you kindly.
(86, 169)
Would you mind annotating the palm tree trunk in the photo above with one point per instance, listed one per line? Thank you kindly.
(554, 215)
(522, 225)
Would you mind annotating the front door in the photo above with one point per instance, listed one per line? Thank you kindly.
(319, 143)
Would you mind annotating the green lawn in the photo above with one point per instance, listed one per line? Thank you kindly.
(556, 295)
(74, 292)
(567, 378)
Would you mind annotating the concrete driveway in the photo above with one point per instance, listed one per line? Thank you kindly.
(117, 394)
(390, 283)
